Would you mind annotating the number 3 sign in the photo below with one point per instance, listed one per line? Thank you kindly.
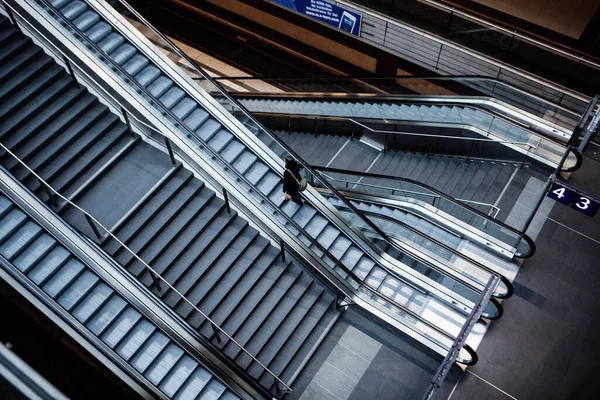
(580, 202)
(585, 205)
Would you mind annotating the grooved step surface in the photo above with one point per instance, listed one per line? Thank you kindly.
(108, 317)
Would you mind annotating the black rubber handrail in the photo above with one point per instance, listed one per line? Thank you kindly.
(218, 156)
(578, 163)
(503, 279)
(523, 236)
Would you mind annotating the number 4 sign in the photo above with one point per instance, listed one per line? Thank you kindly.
(574, 198)
(561, 194)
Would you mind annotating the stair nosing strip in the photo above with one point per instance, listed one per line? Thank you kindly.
(286, 341)
(284, 319)
(218, 304)
(190, 242)
(153, 214)
(237, 258)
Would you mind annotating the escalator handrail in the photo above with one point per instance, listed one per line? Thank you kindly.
(579, 160)
(492, 207)
(338, 263)
(522, 235)
(93, 220)
(126, 274)
(248, 115)
(554, 47)
(452, 101)
(402, 78)
(505, 280)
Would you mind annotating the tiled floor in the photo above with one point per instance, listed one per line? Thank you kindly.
(547, 344)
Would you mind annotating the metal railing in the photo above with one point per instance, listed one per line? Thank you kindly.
(157, 280)
(513, 32)
(435, 52)
(240, 177)
(424, 85)
(404, 237)
(359, 285)
(544, 151)
(356, 282)
(54, 196)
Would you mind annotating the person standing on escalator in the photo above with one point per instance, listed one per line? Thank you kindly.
(293, 183)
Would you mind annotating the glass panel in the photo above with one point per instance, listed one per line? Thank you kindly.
(436, 202)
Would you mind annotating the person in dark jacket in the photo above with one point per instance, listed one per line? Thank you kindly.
(291, 183)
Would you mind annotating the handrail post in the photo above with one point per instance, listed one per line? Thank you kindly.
(216, 332)
(11, 16)
(385, 143)
(155, 280)
(127, 121)
(170, 149)
(226, 198)
(93, 225)
(340, 300)
(439, 55)
(289, 124)
(449, 23)
(512, 39)
(526, 156)
(70, 70)
(469, 153)
(352, 132)
(51, 196)
(546, 188)
(461, 338)
(282, 247)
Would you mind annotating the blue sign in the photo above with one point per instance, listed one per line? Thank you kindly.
(326, 12)
(581, 202)
(585, 205)
(560, 193)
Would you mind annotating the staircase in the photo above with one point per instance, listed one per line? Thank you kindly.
(310, 224)
(106, 315)
(479, 180)
(275, 309)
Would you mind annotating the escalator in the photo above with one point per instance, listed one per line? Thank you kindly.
(485, 113)
(443, 118)
(331, 240)
(449, 220)
(35, 256)
(212, 258)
